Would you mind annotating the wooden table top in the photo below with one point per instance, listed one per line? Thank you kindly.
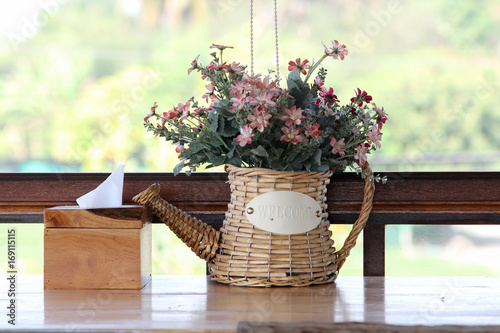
(196, 303)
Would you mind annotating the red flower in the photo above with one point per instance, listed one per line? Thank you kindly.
(328, 95)
(381, 115)
(301, 66)
(361, 96)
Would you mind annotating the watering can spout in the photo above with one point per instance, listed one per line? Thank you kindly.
(147, 196)
(197, 235)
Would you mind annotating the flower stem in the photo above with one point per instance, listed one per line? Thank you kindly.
(314, 66)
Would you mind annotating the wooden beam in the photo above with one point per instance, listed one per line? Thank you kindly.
(422, 197)
(374, 250)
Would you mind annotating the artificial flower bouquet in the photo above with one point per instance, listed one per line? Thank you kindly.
(251, 121)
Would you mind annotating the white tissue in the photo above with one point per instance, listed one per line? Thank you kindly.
(107, 195)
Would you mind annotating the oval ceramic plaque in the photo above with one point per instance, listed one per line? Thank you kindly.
(284, 212)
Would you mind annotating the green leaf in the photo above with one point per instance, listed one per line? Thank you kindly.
(234, 161)
(322, 168)
(278, 152)
(299, 90)
(230, 128)
(213, 121)
(178, 168)
(317, 156)
(260, 151)
(195, 147)
(224, 111)
(220, 121)
(299, 158)
(216, 159)
(293, 80)
(276, 164)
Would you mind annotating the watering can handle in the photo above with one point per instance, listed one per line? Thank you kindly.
(342, 254)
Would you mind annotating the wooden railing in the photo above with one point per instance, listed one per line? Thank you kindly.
(408, 198)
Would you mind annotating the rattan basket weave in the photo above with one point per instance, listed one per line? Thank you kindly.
(244, 255)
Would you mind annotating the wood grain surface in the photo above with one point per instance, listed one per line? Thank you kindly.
(97, 258)
(196, 304)
(126, 217)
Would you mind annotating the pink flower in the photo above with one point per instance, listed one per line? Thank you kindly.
(225, 67)
(259, 119)
(313, 130)
(263, 100)
(267, 87)
(338, 50)
(220, 47)
(291, 135)
(153, 112)
(301, 66)
(234, 69)
(214, 65)
(374, 136)
(318, 82)
(246, 136)
(239, 100)
(198, 112)
(251, 79)
(210, 93)
(184, 109)
(174, 113)
(361, 155)
(164, 118)
(238, 86)
(178, 147)
(171, 114)
(194, 65)
(338, 146)
(293, 116)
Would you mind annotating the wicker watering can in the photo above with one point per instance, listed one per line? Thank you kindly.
(245, 255)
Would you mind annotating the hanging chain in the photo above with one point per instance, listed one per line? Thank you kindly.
(275, 35)
(251, 37)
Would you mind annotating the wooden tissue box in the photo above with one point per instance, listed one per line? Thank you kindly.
(107, 248)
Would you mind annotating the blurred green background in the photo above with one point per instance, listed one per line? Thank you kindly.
(77, 78)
